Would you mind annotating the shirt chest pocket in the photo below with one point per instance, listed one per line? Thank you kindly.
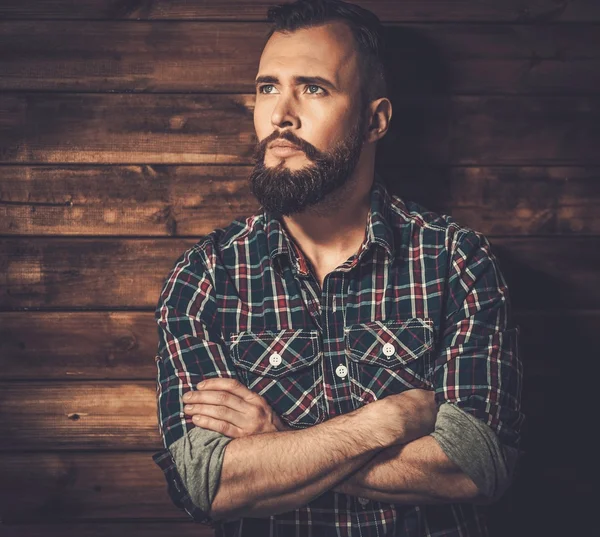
(285, 367)
(389, 357)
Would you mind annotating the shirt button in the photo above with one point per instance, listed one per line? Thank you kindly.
(363, 501)
(341, 371)
(389, 349)
(275, 359)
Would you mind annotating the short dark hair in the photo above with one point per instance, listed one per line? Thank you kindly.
(366, 29)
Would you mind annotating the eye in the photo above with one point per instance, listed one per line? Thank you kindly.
(313, 89)
(266, 89)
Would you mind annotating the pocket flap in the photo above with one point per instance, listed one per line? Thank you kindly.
(275, 353)
(386, 343)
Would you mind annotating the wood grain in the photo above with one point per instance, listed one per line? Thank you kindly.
(154, 200)
(528, 200)
(122, 200)
(409, 10)
(208, 57)
(129, 128)
(119, 345)
(218, 129)
(78, 345)
(65, 273)
(80, 415)
(86, 273)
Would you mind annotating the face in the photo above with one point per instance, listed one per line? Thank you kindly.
(307, 117)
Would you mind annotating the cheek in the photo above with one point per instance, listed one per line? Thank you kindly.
(323, 135)
(262, 121)
(325, 126)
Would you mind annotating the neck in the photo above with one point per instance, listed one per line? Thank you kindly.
(333, 230)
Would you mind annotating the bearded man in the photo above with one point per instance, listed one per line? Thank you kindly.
(341, 362)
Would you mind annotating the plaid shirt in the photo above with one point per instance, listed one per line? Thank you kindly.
(422, 304)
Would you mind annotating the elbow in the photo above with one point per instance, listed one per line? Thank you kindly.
(220, 512)
(462, 489)
(224, 508)
(224, 515)
(469, 491)
(483, 495)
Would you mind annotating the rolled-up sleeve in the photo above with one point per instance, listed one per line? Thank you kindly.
(477, 370)
(190, 349)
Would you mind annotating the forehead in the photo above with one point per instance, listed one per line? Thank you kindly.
(327, 50)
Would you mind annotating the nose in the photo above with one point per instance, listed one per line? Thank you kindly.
(285, 112)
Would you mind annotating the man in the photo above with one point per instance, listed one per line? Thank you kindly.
(360, 376)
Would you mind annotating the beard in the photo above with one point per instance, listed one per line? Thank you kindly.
(282, 191)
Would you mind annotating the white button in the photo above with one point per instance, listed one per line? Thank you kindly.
(341, 371)
(389, 349)
(275, 359)
(363, 501)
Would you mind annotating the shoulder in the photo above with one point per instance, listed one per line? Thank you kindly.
(210, 249)
(441, 229)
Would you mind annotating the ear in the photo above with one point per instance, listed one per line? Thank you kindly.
(380, 115)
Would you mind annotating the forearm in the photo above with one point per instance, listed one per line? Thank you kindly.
(415, 473)
(276, 472)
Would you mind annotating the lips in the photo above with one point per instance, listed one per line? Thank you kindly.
(285, 145)
(284, 149)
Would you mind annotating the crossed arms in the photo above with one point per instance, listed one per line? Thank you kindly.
(385, 451)
(377, 452)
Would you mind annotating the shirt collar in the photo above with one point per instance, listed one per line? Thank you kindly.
(377, 232)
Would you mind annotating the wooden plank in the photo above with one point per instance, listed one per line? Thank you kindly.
(128, 128)
(223, 57)
(55, 273)
(193, 200)
(408, 10)
(526, 200)
(121, 345)
(218, 129)
(78, 345)
(118, 200)
(81, 415)
(53, 487)
(65, 273)
(133, 528)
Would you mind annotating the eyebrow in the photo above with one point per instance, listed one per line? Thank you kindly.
(317, 80)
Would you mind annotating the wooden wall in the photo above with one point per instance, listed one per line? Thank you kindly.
(126, 133)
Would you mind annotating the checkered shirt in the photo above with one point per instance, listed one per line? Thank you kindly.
(422, 304)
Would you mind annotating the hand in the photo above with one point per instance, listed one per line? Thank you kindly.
(403, 417)
(228, 407)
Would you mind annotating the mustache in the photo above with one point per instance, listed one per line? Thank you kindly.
(310, 150)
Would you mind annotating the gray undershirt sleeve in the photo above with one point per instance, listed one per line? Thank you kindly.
(475, 448)
(198, 456)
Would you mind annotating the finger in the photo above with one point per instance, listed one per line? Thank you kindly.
(219, 426)
(219, 412)
(233, 386)
(215, 411)
(220, 398)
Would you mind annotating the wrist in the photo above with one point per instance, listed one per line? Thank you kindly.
(372, 417)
